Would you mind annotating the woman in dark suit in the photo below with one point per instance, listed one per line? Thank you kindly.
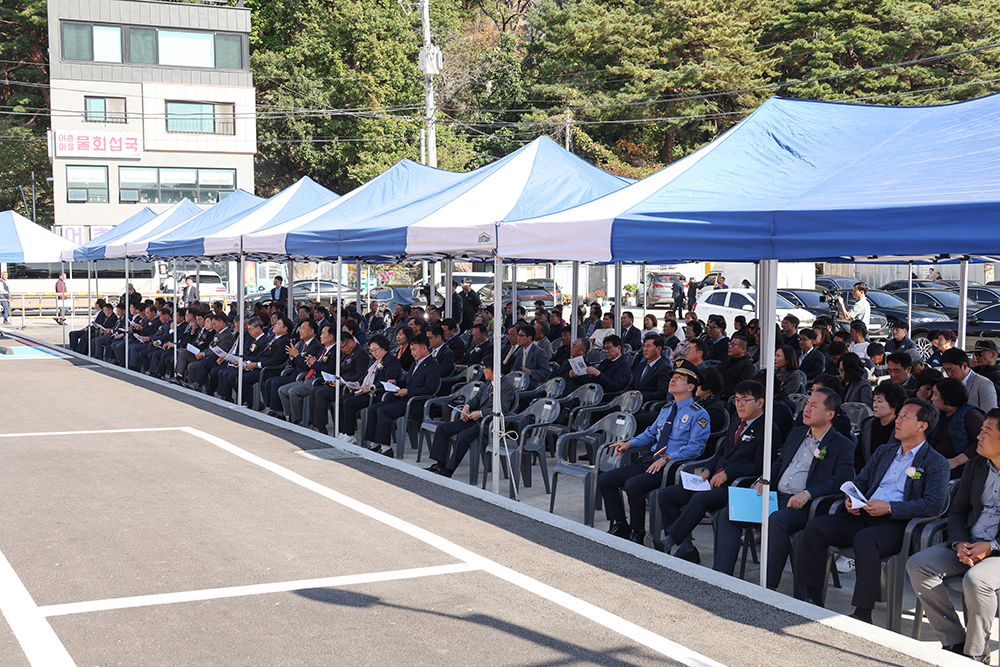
(857, 387)
(384, 368)
(403, 354)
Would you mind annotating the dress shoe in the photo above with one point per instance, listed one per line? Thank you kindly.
(620, 529)
(652, 542)
(435, 468)
(319, 429)
(858, 615)
(690, 555)
(984, 658)
(374, 448)
(668, 544)
(637, 536)
(389, 453)
(445, 472)
(174, 380)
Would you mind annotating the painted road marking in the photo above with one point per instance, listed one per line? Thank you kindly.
(37, 638)
(252, 589)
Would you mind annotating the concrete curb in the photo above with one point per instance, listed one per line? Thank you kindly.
(891, 640)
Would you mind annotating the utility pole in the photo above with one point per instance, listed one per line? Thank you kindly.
(34, 201)
(569, 129)
(430, 64)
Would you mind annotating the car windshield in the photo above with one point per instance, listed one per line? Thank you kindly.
(885, 300)
(989, 314)
(810, 299)
(782, 301)
(950, 299)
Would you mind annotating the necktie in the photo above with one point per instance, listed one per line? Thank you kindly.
(645, 369)
(667, 428)
(739, 431)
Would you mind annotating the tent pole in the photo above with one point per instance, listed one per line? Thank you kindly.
(513, 293)
(340, 326)
(176, 323)
(239, 298)
(574, 304)
(128, 333)
(291, 281)
(90, 311)
(318, 268)
(767, 302)
(357, 279)
(909, 301)
(431, 284)
(642, 285)
(619, 306)
(61, 304)
(963, 302)
(497, 367)
(448, 288)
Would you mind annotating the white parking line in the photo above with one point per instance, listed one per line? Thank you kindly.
(251, 589)
(98, 432)
(600, 616)
(37, 638)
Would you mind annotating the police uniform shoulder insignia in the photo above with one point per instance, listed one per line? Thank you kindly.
(702, 422)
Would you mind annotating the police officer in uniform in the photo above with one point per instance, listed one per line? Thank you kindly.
(679, 432)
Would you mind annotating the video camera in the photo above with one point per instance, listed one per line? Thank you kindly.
(832, 299)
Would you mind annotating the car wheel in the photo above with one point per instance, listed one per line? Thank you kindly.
(923, 344)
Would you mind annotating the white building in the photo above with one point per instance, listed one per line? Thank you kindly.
(152, 101)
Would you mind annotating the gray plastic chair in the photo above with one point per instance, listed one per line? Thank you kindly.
(856, 412)
(551, 388)
(799, 400)
(530, 440)
(405, 427)
(613, 428)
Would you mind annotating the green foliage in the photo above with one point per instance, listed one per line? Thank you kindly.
(23, 55)
(809, 39)
(22, 154)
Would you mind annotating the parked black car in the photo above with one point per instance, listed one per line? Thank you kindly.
(943, 300)
(814, 300)
(905, 285)
(895, 310)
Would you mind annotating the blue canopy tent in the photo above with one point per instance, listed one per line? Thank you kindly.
(21, 240)
(800, 180)
(456, 216)
(219, 237)
(94, 248)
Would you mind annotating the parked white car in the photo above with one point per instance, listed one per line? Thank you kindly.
(732, 302)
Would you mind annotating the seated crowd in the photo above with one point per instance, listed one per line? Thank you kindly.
(921, 422)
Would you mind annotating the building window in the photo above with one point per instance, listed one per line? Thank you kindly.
(163, 185)
(92, 43)
(104, 109)
(183, 48)
(201, 118)
(87, 184)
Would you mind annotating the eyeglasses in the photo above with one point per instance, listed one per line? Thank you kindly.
(742, 401)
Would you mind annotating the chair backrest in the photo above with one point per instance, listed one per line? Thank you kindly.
(616, 427)
(472, 373)
(521, 380)
(587, 395)
(554, 387)
(717, 435)
(712, 363)
(800, 403)
(467, 391)
(595, 356)
(629, 402)
(541, 411)
(856, 412)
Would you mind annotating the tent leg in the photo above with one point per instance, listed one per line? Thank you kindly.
(574, 303)
(963, 302)
(497, 422)
(619, 305)
(340, 326)
(239, 371)
(448, 288)
(767, 307)
(90, 312)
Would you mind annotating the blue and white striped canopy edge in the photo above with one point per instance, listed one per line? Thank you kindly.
(799, 180)
(21, 240)
(134, 245)
(94, 248)
(223, 240)
(320, 234)
(187, 236)
(456, 215)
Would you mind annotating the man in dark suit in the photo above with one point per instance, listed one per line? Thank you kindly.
(308, 344)
(374, 318)
(222, 337)
(812, 362)
(78, 340)
(613, 373)
(353, 368)
(252, 346)
(529, 357)
(736, 367)
(900, 481)
(278, 292)
(452, 340)
(465, 428)
(190, 291)
(971, 551)
(718, 342)
(273, 353)
(444, 355)
(740, 454)
(421, 380)
(630, 333)
(479, 348)
(651, 372)
(470, 305)
(815, 461)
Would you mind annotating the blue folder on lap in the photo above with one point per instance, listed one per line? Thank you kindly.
(744, 504)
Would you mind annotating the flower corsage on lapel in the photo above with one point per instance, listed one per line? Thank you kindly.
(914, 473)
(819, 453)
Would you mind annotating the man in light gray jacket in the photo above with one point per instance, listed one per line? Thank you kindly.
(982, 392)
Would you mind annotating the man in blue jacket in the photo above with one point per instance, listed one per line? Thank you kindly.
(680, 432)
(900, 481)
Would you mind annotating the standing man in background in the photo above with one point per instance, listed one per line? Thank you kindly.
(61, 299)
(278, 292)
(4, 298)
